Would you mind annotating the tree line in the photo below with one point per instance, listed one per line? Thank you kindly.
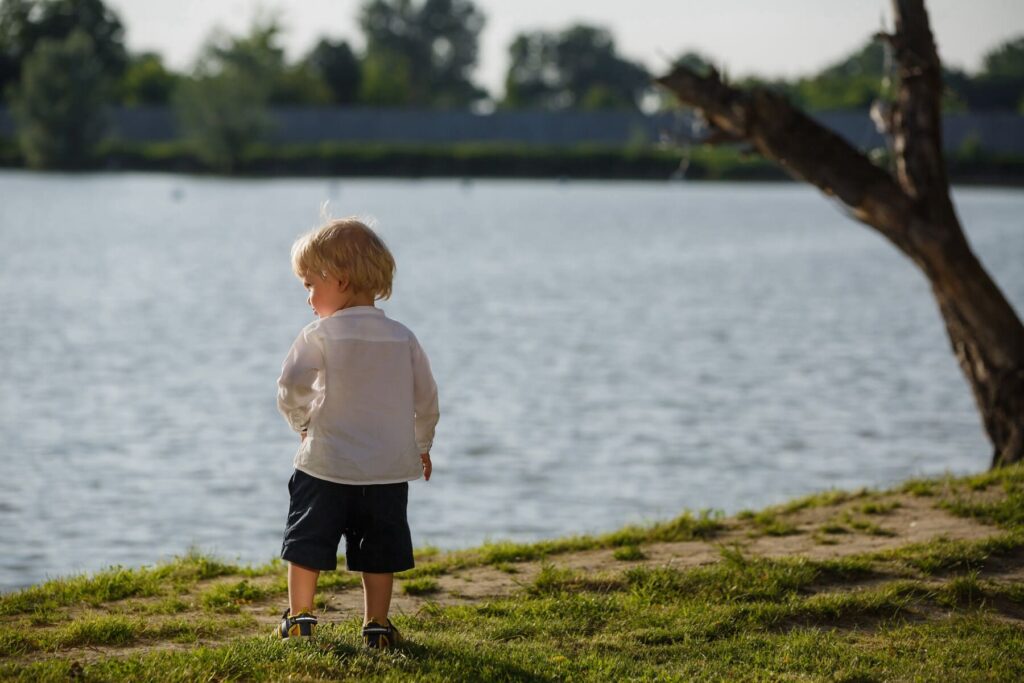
(63, 61)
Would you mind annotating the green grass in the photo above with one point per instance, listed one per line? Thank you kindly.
(770, 523)
(113, 630)
(229, 597)
(421, 586)
(878, 507)
(654, 625)
(944, 555)
(116, 583)
(1007, 512)
(629, 553)
(920, 487)
(926, 611)
(867, 526)
(828, 498)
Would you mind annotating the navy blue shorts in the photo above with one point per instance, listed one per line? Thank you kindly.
(371, 518)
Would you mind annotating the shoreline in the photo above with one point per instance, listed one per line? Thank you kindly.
(849, 574)
(489, 161)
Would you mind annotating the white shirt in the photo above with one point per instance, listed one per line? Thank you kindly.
(361, 386)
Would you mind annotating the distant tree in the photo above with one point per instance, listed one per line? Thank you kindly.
(299, 84)
(853, 82)
(856, 82)
(578, 67)
(1005, 61)
(338, 67)
(24, 23)
(694, 61)
(909, 204)
(386, 80)
(146, 81)
(223, 106)
(1000, 85)
(17, 37)
(434, 41)
(258, 54)
(59, 102)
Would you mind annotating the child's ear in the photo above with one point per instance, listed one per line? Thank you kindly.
(343, 283)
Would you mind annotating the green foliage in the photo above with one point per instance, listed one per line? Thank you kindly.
(338, 67)
(694, 61)
(147, 81)
(299, 84)
(24, 24)
(222, 107)
(386, 80)
(869, 73)
(1005, 60)
(578, 67)
(59, 104)
(431, 44)
(833, 92)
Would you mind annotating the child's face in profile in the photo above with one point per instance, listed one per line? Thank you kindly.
(326, 294)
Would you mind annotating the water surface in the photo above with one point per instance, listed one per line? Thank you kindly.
(607, 353)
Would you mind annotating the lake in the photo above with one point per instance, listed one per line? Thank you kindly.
(607, 353)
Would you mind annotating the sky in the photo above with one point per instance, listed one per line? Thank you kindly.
(773, 38)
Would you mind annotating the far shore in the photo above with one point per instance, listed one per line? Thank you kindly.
(479, 161)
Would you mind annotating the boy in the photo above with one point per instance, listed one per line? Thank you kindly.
(357, 387)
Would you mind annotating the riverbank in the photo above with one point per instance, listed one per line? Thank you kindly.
(475, 160)
(924, 581)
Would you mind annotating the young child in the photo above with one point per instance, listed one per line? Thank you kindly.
(357, 387)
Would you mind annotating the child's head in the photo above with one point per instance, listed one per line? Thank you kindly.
(348, 250)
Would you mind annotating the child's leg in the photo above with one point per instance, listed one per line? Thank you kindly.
(301, 588)
(377, 596)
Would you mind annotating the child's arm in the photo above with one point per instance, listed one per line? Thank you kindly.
(295, 392)
(425, 404)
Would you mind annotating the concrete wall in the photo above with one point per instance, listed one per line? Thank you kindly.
(994, 131)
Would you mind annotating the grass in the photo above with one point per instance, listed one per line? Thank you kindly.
(771, 523)
(116, 583)
(923, 611)
(629, 553)
(229, 597)
(420, 586)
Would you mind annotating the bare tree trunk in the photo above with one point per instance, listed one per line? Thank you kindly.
(913, 210)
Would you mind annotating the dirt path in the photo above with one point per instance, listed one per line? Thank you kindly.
(911, 520)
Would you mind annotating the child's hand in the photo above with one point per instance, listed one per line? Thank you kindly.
(427, 467)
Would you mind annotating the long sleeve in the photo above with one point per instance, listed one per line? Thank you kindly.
(295, 386)
(424, 399)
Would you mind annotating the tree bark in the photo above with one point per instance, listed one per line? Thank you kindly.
(912, 209)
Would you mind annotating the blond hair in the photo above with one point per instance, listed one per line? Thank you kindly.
(346, 247)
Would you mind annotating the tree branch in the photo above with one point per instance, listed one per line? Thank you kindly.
(806, 149)
(917, 115)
